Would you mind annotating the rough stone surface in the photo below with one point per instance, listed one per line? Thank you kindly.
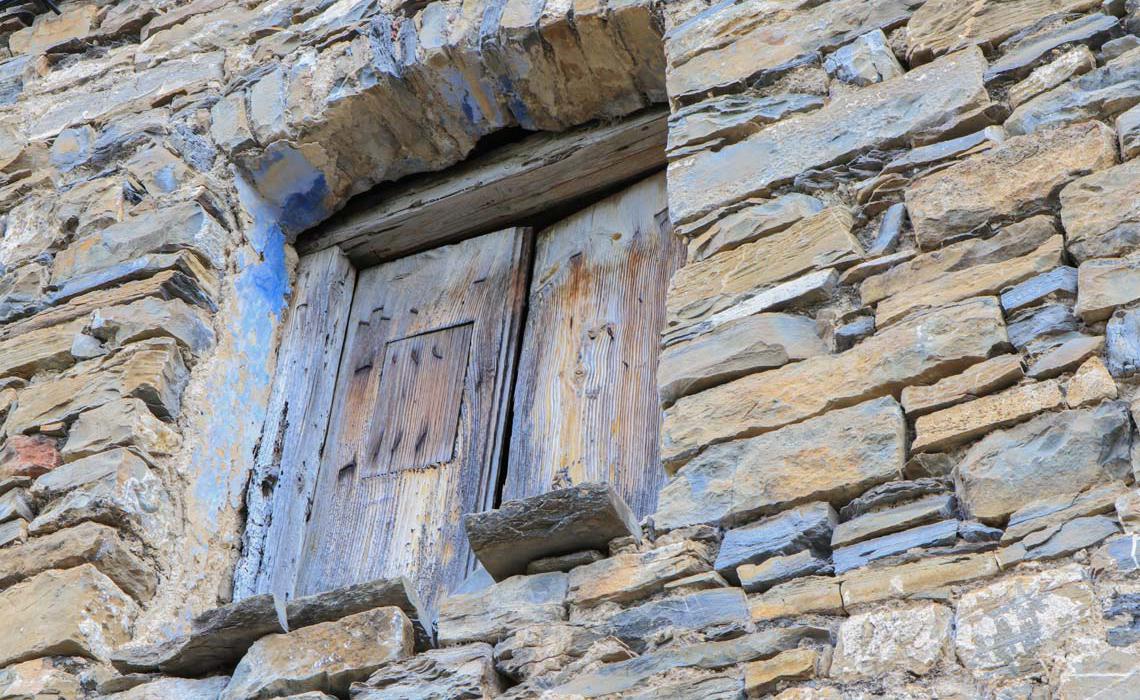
(1004, 628)
(1050, 455)
(757, 578)
(1075, 61)
(722, 47)
(1103, 93)
(1128, 131)
(628, 577)
(439, 674)
(490, 615)
(1050, 512)
(1059, 284)
(181, 688)
(1090, 385)
(864, 61)
(620, 677)
(931, 100)
(813, 594)
(982, 280)
(565, 562)
(893, 493)
(1011, 241)
(28, 455)
(586, 516)
(763, 676)
(959, 424)
(702, 288)
(922, 349)
(71, 612)
(1122, 343)
(732, 350)
(724, 608)
(220, 637)
(761, 218)
(894, 519)
(328, 656)
(914, 640)
(833, 457)
(983, 378)
(806, 527)
(86, 543)
(905, 580)
(944, 25)
(1101, 214)
(123, 423)
(943, 532)
(114, 488)
(152, 371)
(1011, 181)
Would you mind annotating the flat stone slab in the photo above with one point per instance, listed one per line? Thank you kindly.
(1102, 93)
(696, 611)
(1051, 455)
(455, 672)
(928, 101)
(885, 522)
(1011, 181)
(220, 637)
(807, 527)
(624, 675)
(922, 349)
(326, 657)
(492, 613)
(831, 458)
(756, 578)
(586, 516)
(1101, 213)
(936, 534)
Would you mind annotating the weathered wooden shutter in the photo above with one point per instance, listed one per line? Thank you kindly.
(586, 406)
(418, 417)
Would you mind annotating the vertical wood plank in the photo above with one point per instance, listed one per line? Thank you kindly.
(284, 476)
(586, 406)
(381, 511)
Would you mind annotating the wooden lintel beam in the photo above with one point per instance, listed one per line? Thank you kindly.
(508, 186)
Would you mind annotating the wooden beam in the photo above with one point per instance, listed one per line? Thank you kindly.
(512, 185)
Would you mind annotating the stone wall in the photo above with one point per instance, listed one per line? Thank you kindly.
(897, 373)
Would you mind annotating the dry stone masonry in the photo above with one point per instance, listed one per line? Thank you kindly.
(898, 372)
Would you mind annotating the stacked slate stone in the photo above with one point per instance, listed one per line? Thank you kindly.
(154, 155)
(899, 372)
(901, 358)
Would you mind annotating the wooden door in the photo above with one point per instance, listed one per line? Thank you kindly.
(586, 406)
(418, 416)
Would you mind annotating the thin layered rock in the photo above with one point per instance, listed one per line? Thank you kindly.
(220, 637)
(927, 102)
(1012, 181)
(922, 349)
(834, 457)
(711, 285)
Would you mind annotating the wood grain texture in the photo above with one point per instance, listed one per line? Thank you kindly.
(586, 406)
(284, 477)
(377, 513)
(503, 187)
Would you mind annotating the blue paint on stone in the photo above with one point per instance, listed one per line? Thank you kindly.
(295, 194)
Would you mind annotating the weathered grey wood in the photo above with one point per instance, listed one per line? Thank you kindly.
(504, 187)
(586, 406)
(284, 474)
(383, 510)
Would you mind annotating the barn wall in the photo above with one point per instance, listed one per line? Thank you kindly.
(896, 377)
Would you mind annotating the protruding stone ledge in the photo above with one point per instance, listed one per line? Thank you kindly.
(220, 637)
(587, 516)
